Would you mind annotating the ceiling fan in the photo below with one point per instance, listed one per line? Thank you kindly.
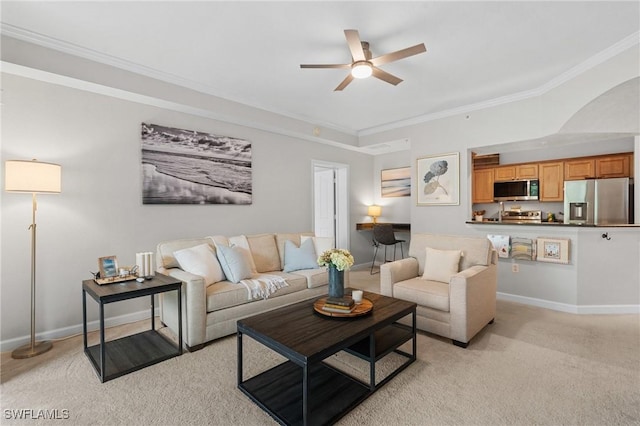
(364, 65)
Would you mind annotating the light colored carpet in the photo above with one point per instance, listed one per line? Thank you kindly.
(531, 367)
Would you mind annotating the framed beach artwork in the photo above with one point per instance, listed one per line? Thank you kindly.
(438, 180)
(554, 250)
(190, 167)
(395, 182)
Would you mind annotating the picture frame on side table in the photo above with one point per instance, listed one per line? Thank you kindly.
(438, 180)
(108, 266)
(555, 250)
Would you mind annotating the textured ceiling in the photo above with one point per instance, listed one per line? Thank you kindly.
(250, 51)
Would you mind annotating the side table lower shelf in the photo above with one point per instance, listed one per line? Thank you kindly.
(279, 392)
(131, 353)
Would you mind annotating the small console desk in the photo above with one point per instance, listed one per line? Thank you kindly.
(397, 227)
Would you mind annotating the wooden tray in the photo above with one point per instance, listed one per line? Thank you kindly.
(113, 280)
(360, 309)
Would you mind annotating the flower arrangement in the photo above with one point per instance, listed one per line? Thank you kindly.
(340, 258)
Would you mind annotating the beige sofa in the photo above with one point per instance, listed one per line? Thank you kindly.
(454, 301)
(210, 311)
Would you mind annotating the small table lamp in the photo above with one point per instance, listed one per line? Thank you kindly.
(34, 177)
(374, 212)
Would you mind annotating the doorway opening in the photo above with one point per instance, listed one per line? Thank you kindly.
(331, 201)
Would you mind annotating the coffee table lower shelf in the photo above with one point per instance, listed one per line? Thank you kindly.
(131, 353)
(279, 392)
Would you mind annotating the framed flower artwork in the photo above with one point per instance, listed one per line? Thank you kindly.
(438, 180)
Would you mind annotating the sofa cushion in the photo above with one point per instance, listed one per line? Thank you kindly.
(314, 277)
(475, 250)
(234, 263)
(164, 254)
(200, 260)
(294, 238)
(441, 265)
(321, 244)
(432, 294)
(264, 252)
(296, 258)
(241, 241)
(225, 294)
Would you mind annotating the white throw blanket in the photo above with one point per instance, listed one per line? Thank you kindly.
(262, 286)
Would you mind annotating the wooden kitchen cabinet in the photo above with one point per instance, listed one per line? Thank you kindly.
(551, 181)
(527, 171)
(602, 167)
(613, 166)
(482, 186)
(504, 173)
(520, 171)
(580, 169)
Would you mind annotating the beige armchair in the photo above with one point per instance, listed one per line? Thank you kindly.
(456, 296)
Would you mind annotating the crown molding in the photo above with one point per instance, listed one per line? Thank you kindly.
(103, 58)
(62, 80)
(79, 51)
(568, 75)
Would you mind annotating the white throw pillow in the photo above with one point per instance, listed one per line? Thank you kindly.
(321, 244)
(234, 263)
(441, 265)
(200, 260)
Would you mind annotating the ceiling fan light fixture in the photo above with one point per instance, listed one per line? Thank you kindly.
(361, 69)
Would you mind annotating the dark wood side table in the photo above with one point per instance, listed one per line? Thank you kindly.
(131, 353)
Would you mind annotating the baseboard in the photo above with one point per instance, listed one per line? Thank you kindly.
(572, 309)
(60, 333)
(609, 309)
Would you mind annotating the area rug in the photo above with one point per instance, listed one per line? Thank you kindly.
(531, 367)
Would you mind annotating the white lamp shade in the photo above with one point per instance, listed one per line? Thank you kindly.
(374, 211)
(32, 176)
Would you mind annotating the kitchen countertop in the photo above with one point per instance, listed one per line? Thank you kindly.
(573, 225)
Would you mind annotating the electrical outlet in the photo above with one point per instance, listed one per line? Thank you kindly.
(515, 267)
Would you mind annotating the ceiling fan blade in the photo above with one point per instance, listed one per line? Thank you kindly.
(344, 83)
(339, 66)
(385, 76)
(400, 54)
(355, 46)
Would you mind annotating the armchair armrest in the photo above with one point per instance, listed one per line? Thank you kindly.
(472, 300)
(393, 272)
(194, 306)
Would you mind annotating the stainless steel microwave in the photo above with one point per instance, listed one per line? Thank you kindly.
(516, 190)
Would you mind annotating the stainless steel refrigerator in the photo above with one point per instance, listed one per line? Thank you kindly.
(598, 201)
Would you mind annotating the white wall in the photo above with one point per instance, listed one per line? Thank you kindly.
(523, 121)
(606, 278)
(96, 139)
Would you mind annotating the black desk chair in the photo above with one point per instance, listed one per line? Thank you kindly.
(383, 234)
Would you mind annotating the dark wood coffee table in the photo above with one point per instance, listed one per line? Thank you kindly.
(304, 390)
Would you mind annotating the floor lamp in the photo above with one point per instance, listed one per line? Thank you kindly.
(32, 177)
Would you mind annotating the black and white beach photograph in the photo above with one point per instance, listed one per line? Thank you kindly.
(190, 167)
